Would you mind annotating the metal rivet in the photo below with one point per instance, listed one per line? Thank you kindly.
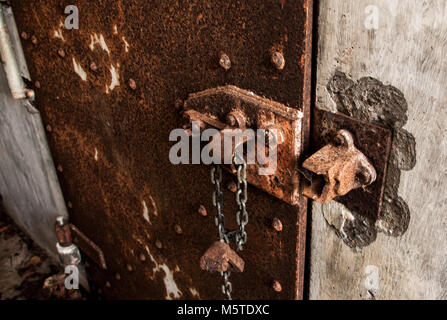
(202, 211)
(277, 286)
(129, 268)
(59, 168)
(158, 244)
(34, 40)
(278, 60)
(69, 204)
(37, 84)
(108, 285)
(231, 120)
(48, 127)
(24, 35)
(93, 66)
(225, 61)
(132, 84)
(232, 186)
(178, 229)
(118, 276)
(61, 53)
(142, 257)
(277, 224)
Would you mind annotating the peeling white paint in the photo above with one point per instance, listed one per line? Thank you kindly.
(98, 40)
(115, 29)
(145, 212)
(172, 290)
(96, 154)
(154, 205)
(372, 282)
(126, 45)
(115, 79)
(336, 215)
(78, 69)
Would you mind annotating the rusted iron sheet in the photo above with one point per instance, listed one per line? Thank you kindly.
(109, 93)
(373, 141)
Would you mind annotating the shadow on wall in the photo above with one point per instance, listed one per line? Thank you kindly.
(370, 100)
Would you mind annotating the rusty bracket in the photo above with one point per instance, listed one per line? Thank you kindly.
(337, 168)
(230, 107)
(349, 163)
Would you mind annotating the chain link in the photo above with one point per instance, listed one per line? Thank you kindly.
(240, 234)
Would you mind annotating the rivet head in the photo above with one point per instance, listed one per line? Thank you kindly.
(93, 66)
(59, 168)
(142, 257)
(129, 268)
(277, 286)
(61, 53)
(202, 211)
(231, 120)
(34, 40)
(132, 84)
(178, 229)
(24, 35)
(232, 186)
(69, 204)
(48, 127)
(108, 285)
(158, 244)
(277, 225)
(278, 60)
(118, 276)
(37, 84)
(225, 61)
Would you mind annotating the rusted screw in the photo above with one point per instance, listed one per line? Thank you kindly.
(178, 229)
(129, 268)
(158, 244)
(278, 60)
(37, 84)
(61, 53)
(232, 186)
(93, 66)
(34, 40)
(225, 61)
(277, 225)
(24, 35)
(142, 257)
(118, 276)
(48, 127)
(59, 168)
(277, 286)
(132, 84)
(202, 211)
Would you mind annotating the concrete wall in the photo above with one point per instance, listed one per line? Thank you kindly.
(395, 74)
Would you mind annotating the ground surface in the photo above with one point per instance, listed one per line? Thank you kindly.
(26, 271)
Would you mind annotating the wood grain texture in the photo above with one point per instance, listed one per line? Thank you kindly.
(408, 51)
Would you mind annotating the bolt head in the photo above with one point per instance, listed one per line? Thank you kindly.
(277, 225)
(132, 84)
(225, 61)
(178, 229)
(278, 60)
(277, 286)
(202, 211)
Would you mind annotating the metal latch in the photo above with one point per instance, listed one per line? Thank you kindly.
(349, 154)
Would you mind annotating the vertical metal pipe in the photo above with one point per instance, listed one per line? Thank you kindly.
(10, 65)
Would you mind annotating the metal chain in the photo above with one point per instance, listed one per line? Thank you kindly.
(240, 234)
(241, 199)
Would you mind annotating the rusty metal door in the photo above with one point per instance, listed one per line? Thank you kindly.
(110, 93)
